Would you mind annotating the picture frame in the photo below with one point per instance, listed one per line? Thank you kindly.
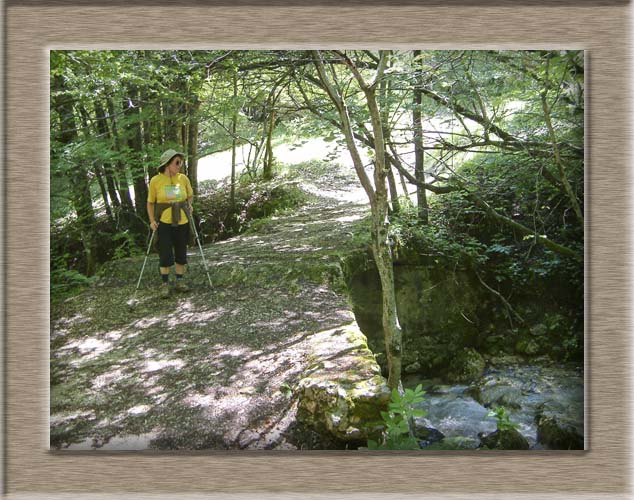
(600, 28)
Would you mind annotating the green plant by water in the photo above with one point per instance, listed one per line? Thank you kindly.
(396, 421)
(503, 419)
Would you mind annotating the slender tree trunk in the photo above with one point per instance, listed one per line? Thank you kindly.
(121, 177)
(419, 152)
(85, 119)
(381, 247)
(104, 191)
(81, 199)
(170, 123)
(101, 125)
(192, 143)
(268, 157)
(378, 196)
(558, 161)
(234, 125)
(396, 204)
(135, 143)
(384, 88)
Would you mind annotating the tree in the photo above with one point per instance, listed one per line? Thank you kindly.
(62, 160)
(419, 151)
(377, 194)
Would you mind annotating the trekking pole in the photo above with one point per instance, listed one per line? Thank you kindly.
(133, 301)
(191, 222)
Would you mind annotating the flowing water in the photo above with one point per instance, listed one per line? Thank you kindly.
(461, 410)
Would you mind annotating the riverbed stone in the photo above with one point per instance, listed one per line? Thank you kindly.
(504, 439)
(466, 366)
(559, 428)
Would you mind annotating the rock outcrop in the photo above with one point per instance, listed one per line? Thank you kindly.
(343, 396)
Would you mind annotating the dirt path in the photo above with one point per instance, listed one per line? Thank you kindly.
(219, 368)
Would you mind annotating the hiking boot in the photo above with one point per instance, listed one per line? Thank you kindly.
(164, 291)
(181, 286)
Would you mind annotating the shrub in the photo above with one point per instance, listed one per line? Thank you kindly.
(396, 433)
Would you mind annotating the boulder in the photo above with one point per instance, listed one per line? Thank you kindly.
(426, 434)
(492, 395)
(466, 366)
(506, 439)
(559, 428)
(342, 398)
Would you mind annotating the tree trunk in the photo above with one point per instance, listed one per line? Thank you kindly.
(135, 143)
(378, 197)
(381, 248)
(121, 177)
(170, 123)
(558, 161)
(101, 126)
(81, 199)
(104, 191)
(396, 204)
(192, 143)
(85, 120)
(268, 157)
(234, 124)
(419, 152)
(384, 88)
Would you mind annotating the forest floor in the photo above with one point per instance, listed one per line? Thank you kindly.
(214, 368)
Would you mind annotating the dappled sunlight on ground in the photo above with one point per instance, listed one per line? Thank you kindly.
(214, 368)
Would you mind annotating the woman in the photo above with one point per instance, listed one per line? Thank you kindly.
(169, 200)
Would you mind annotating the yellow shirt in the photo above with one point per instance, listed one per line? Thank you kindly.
(166, 189)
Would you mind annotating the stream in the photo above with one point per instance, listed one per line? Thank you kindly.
(460, 411)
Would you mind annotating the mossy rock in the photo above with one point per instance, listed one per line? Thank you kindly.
(506, 439)
(559, 430)
(466, 366)
(528, 347)
(344, 404)
(499, 394)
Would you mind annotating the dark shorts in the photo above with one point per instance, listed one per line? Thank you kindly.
(172, 244)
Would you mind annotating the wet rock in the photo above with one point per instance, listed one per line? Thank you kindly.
(466, 366)
(505, 439)
(426, 433)
(495, 393)
(559, 428)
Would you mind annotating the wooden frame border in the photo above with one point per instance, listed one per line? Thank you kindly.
(600, 28)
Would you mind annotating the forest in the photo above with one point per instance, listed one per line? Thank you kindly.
(430, 239)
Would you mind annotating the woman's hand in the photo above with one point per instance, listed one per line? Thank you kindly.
(153, 225)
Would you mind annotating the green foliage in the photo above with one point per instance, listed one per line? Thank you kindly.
(67, 282)
(255, 202)
(396, 421)
(126, 245)
(433, 241)
(286, 390)
(503, 419)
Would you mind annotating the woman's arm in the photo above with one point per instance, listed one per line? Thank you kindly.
(150, 214)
